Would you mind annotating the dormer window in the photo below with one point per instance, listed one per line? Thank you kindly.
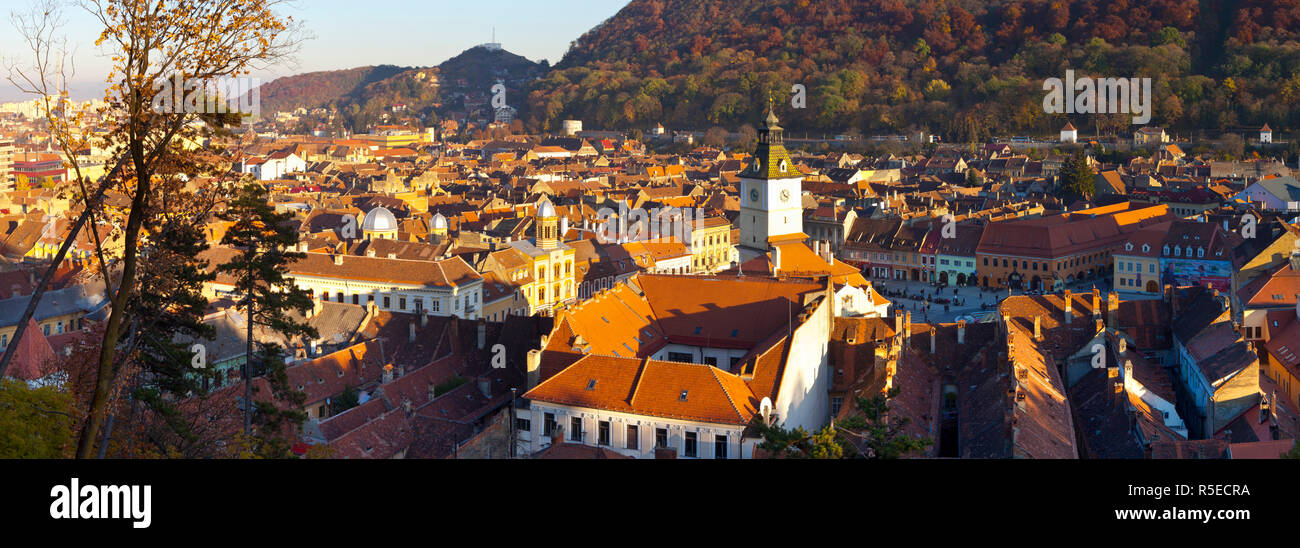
(1146, 248)
(782, 166)
(1200, 252)
(1178, 252)
(1166, 250)
(1128, 246)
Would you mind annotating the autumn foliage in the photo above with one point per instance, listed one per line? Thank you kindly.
(964, 68)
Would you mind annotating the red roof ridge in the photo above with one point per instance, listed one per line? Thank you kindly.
(636, 382)
(725, 392)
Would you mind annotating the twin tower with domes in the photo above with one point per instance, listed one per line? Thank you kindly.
(380, 224)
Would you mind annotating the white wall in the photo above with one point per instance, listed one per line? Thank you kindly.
(723, 355)
(646, 427)
(803, 398)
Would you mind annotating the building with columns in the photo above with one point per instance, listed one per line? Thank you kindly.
(447, 287)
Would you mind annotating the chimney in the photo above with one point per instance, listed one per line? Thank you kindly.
(485, 386)
(933, 331)
(1112, 309)
(338, 260)
(370, 252)
(898, 322)
(961, 331)
(564, 227)
(388, 373)
(776, 260)
(412, 338)
(424, 319)
(534, 367)
(1114, 381)
(1169, 294)
(1038, 328)
(1096, 303)
(482, 334)
(907, 326)
(1119, 381)
(1123, 345)
(830, 256)
(1069, 306)
(1101, 324)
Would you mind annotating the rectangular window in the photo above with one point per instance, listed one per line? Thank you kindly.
(549, 424)
(719, 446)
(523, 425)
(388, 302)
(401, 303)
(836, 403)
(680, 357)
(688, 445)
(603, 433)
(661, 437)
(633, 440)
(575, 429)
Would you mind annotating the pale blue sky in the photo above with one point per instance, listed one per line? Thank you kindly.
(354, 33)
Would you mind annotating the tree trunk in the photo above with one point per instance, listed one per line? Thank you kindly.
(248, 371)
(104, 380)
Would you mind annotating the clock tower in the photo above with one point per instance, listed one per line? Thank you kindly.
(771, 194)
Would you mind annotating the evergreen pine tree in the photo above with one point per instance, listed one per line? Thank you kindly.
(263, 240)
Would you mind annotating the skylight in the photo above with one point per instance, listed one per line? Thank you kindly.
(683, 396)
(591, 384)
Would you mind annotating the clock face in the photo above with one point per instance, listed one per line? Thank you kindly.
(753, 195)
(785, 195)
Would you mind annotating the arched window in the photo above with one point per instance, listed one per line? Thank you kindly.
(1178, 251)
(1166, 250)
(1200, 252)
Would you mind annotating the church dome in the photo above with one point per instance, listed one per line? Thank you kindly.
(545, 209)
(380, 219)
(439, 222)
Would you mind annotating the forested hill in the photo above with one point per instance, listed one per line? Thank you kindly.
(964, 68)
(320, 89)
(363, 97)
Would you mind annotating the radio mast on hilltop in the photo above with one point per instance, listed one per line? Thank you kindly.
(493, 45)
